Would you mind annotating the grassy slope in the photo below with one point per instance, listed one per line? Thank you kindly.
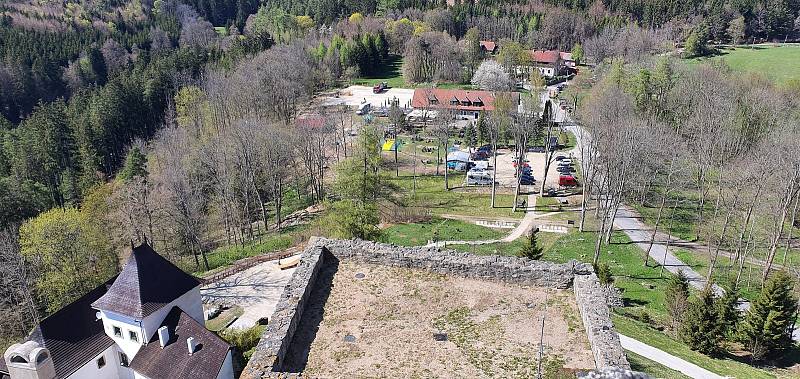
(431, 195)
(778, 63)
(721, 366)
(654, 369)
(443, 230)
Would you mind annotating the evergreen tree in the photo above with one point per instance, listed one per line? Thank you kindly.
(765, 330)
(603, 272)
(728, 311)
(701, 327)
(531, 250)
(470, 136)
(135, 165)
(677, 297)
(483, 129)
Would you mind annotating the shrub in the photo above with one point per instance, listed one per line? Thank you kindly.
(530, 250)
(603, 271)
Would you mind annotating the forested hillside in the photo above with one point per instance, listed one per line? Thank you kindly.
(176, 122)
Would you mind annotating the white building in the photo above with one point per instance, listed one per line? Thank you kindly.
(147, 323)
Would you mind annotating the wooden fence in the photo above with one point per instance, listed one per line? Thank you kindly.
(244, 264)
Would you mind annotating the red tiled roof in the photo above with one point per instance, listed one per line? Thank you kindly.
(565, 56)
(545, 56)
(442, 98)
(488, 45)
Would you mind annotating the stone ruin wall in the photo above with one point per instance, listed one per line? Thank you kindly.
(277, 337)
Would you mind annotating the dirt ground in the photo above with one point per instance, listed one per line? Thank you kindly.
(383, 325)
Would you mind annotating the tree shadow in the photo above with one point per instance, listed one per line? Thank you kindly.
(296, 357)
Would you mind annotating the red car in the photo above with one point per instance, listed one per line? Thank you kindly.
(567, 181)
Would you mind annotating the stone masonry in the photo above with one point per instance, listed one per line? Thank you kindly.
(276, 339)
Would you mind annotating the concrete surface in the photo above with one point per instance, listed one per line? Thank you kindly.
(256, 290)
(355, 95)
(666, 359)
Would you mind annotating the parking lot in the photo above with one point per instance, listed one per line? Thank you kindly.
(505, 168)
(355, 95)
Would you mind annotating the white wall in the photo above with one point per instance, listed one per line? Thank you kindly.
(127, 324)
(227, 368)
(110, 371)
(191, 303)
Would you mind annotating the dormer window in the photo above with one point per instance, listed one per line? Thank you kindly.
(117, 332)
(133, 336)
(101, 362)
(123, 360)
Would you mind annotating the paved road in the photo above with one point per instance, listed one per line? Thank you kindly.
(666, 359)
(630, 223)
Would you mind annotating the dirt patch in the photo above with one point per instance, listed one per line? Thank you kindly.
(375, 321)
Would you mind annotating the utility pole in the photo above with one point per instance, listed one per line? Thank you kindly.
(541, 338)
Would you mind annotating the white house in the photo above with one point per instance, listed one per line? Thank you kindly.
(147, 323)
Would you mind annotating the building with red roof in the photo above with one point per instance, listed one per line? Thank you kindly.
(488, 47)
(465, 103)
(548, 62)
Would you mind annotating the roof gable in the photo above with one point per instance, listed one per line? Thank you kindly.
(173, 360)
(547, 56)
(478, 100)
(147, 283)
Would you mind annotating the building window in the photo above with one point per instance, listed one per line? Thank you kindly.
(101, 362)
(123, 360)
(117, 331)
(133, 336)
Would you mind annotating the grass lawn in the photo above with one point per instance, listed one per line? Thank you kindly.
(681, 223)
(775, 62)
(654, 369)
(699, 262)
(225, 318)
(391, 73)
(722, 366)
(226, 255)
(643, 287)
(439, 229)
(431, 195)
(543, 240)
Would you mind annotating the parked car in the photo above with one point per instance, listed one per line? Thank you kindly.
(527, 180)
(479, 178)
(567, 181)
(561, 157)
(480, 156)
(565, 170)
(525, 171)
(486, 148)
(380, 87)
(380, 112)
(536, 149)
